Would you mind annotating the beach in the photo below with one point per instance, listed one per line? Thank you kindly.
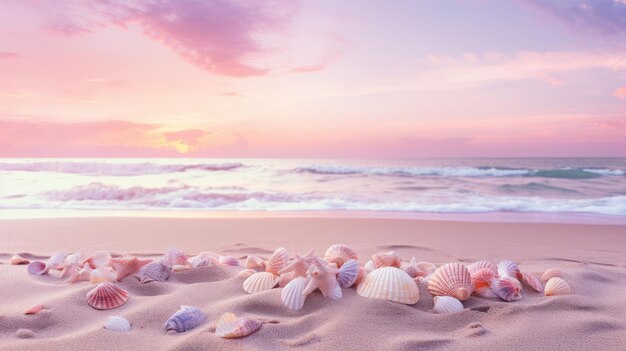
(592, 255)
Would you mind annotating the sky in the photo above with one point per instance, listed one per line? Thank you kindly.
(312, 78)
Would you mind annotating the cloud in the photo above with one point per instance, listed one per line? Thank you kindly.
(620, 93)
(608, 123)
(8, 55)
(605, 16)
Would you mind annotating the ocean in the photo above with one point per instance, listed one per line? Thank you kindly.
(591, 186)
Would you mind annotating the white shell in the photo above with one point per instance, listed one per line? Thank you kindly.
(447, 304)
(246, 273)
(293, 293)
(389, 283)
(478, 265)
(369, 266)
(508, 268)
(557, 286)
(255, 262)
(260, 281)
(277, 261)
(228, 261)
(507, 288)
(339, 254)
(552, 273)
(118, 324)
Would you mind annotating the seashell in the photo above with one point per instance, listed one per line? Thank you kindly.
(246, 273)
(323, 278)
(75, 258)
(552, 273)
(387, 259)
(197, 262)
(452, 279)
(118, 324)
(348, 273)
(557, 286)
(255, 262)
(293, 293)
(80, 275)
(335, 292)
(173, 256)
(38, 268)
(427, 267)
(478, 265)
(412, 269)
(180, 268)
(230, 326)
(360, 276)
(277, 261)
(531, 281)
(260, 281)
(339, 254)
(155, 271)
(98, 259)
(35, 309)
(389, 283)
(508, 268)
(481, 281)
(186, 318)
(228, 261)
(369, 266)
(285, 278)
(102, 275)
(56, 260)
(106, 296)
(447, 304)
(127, 266)
(507, 288)
(70, 269)
(299, 265)
(17, 259)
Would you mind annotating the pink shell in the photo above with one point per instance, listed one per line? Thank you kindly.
(228, 261)
(427, 267)
(557, 286)
(552, 273)
(531, 281)
(360, 276)
(478, 265)
(389, 283)
(452, 279)
(508, 268)
(38, 268)
(483, 278)
(339, 254)
(246, 273)
(106, 296)
(127, 266)
(507, 288)
(98, 259)
(230, 326)
(387, 259)
(277, 261)
(173, 256)
(35, 309)
(255, 262)
(17, 259)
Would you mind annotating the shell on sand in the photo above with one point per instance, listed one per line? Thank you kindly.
(508, 268)
(557, 286)
(348, 273)
(360, 276)
(481, 281)
(38, 268)
(118, 324)
(35, 309)
(255, 262)
(552, 273)
(204, 259)
(260, 281)
(427, 267)
(230, 326)
(293, 293)
(106, 296)
(369, 266)
(531, 281)
(173, 256)
(102, 275)
(387, 259)
(339, 254)
(56, 260)
(127, 266)
(98, 259)
(452, 279)
(412, 268)
(446, 304)
(180, 268)
(389, 283)
(80, 275)
(507, 288)
(246, 273)
(155, 271)
(277, 261)
(186, 318)
(228, 261)
(17, 259)
(478, 265)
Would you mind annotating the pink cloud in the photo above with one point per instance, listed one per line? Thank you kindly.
(8, 55)
(620, 93)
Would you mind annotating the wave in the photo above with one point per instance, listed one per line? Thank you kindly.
(115, 169)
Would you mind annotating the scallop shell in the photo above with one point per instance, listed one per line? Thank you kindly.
(557, 286)
(35, 309)
(481, 281)
(260, 281)
(447, 304)
(293, 293)
(336, 293)
(117, 324)
(507, 288)
(246, 273)
(102, 275)
(38, 268)
(348, 273)
(173, 256)
(552, 273)
(508, 268)
(478, 265)
(230, 326)
(277, 261)
(106, 296)
(531, 281)
(17, 259)
(186, 318)
(228, 261)
(255, 262)
(339, 254)
(387, 259)
(389, 283)
(452, 279)
(98, 259)
(360, 276)
(155, 271)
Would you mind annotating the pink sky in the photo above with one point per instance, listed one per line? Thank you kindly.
(277, 78)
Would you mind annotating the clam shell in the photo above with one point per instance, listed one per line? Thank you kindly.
(552, 273)
(35, 309)
(246, 273)
(230, 326)
(277, 261)
(98, 259)
(447, 304)
(255, 262)
(38, 268)
(102, 275)
(155, 271)
(452, 279)
(478, 265)
(17, 259)
(173, 256)
(228, 261)
(387, 259)
(117, 324)
(260, 281)
(293, 293)
(339, 254)
(481, 281)
(531, 281)
(557, 286)
(389, 283)
(508, 268)
(106, 296)
(186, 318)
(348, 273)
(507, 288)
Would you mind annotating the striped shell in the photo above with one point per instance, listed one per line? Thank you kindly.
(507, 288)
(127, 266)
(389, 283)
(118, 324)
(348, 273)
(38, 268)
(17, 259)
(387, 259)
(481, 281)
(255, 262)
(277, 261)
(35, 309)
(339, 254)
(531, 281)
(246, 273)
(102, 275)
(557, 286)
(260, 281)
(551, 273)
(446, 304)
(228, 261)
(186, 318)
(452, 279)
(508, 268)
(478, 265)
(106, 296)
(230, 326)
(155, 271)
(293, 293)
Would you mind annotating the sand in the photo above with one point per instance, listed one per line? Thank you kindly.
(594, 257)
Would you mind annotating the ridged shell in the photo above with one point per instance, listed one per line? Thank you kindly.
(452, 279)
(508, 268)
(98, 259)
(204, 259)
(230, 326)
(389, 283)
(531, 281)
(155, 271)
(481, 281)
(173, 256)
(127, 266)
(102, 275)
(552, 273)
(228, 261)
(478, 265)
(35, 309)
(348, 273)
(361, 275)
(339, 254)
(293, 293)
(17, 259)
(117, 324)
(336, 293)
(446, 304)
(38, 268)
(186, 318)
(255, 262)
(507, 288)
(557, 286)
(277, 261)
(260, 281)
(106, 296)
(246, 273)
(387, 259)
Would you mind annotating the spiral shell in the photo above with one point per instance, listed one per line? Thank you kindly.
(230, 326)
(348, 273)
(38, 268)
(507, 288)
(228, 261)
(106, 296)
(389, 283)
(387, 259)
(186, 318)
(277, 261)
(508, 268)
(452, 279)
(478, 265)
(557, 286)
(260, 281)
(155, 271)
(17, 260)
(293, 293)
(339, 254)
(446, 304)
(255, 262)
(531, 281)
(552, 273)
(118, 324)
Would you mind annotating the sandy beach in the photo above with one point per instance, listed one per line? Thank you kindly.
(592, 255)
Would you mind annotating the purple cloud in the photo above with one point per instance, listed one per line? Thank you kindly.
(606, 16)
